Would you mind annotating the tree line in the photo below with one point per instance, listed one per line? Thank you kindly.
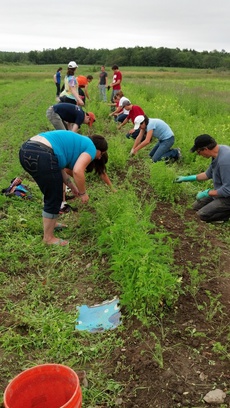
(136, 56)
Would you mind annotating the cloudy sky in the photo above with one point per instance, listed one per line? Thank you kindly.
(36, 25)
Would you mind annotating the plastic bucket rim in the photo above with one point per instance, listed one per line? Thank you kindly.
(40, 366)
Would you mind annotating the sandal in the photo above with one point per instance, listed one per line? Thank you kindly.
(61, 242)
(59, 227)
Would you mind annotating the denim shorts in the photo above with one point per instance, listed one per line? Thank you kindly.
(41, 163)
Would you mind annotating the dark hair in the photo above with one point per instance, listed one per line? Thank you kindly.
(115, 66)
(71, 71)
(146, 121)
(211, 145)
(90, 77)
(120, 93)
(98, 165)
(99, 142)
(59, 69)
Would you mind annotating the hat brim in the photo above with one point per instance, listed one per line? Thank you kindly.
(136, 126)
(91, 122)
(193, 149)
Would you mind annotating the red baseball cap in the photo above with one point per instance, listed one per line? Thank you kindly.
(92, 118)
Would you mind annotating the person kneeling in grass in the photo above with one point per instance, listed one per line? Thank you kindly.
(160, 130)
(212, 204)
(45, 156)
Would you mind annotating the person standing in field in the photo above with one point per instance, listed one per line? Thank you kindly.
(212, 204)
(70, 93)
(116, 83)
(133, 112)
(83, 82)
(103, 84)
(162, 132)
(57, 81)
(45, 156)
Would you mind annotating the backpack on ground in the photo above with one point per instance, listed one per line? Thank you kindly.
(17, 188)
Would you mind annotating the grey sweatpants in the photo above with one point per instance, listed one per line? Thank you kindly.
(213, 209)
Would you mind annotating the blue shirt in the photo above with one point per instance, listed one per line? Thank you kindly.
(161, 130)
(58, 77)
(68, 146)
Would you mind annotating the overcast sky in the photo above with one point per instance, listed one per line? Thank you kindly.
(36, 25)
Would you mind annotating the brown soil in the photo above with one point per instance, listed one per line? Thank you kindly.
(188, 367)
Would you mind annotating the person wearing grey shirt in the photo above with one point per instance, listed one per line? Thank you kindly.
(212, 204)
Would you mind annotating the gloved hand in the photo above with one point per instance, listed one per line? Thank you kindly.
(203, 194)
(108, 87)
(181, 179)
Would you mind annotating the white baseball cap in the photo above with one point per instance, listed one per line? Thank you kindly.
(72, 64)
(138, 120)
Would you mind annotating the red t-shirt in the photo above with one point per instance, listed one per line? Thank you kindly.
(116, 76)
(134, 112)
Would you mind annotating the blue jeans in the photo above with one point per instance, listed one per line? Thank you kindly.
(114, 92)
(102, 90)
(162, 150)
(212, 209)
(134, 134)
(121, 117)
(42, 164)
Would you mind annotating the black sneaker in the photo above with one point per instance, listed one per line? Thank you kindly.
(65, 209)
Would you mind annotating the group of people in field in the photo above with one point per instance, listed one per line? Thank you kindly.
(61, 157)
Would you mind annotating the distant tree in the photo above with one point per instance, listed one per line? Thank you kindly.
(33, 57)
(136, 56)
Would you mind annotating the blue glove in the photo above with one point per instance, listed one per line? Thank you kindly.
(203, 194)
(185, 178)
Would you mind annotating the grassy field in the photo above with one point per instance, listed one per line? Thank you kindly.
(142, 244)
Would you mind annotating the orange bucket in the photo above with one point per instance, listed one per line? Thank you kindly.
(44, 386)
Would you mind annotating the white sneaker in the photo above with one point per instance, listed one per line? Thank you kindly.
(220, 221)
(179, 153)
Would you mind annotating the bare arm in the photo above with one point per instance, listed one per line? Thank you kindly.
(76, 95)
(201, 177)
(115, 83)
(116, 112)
(67, 181)
(106, 179)
(79, 175)
(123, 123)
(75, 128)
(86, 92)
(138, 145)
